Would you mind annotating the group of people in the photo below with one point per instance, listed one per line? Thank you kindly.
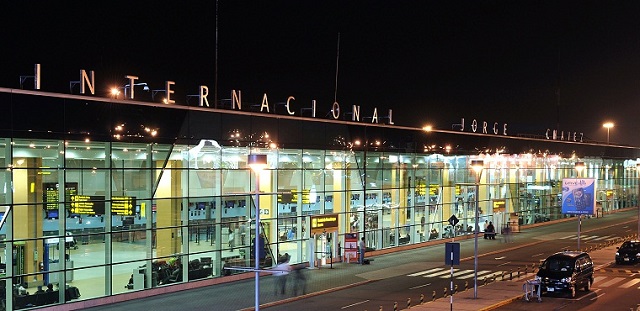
(281, 273)
(490, 232)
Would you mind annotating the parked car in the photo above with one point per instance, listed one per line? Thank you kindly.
(565, 272)
(628, 252)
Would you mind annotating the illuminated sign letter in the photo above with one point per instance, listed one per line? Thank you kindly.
(132, 81)
(474, 125)
(374, 119)
(391, 116)
(462, 125)
(36, 77)
(202, 97)
(355, 116)
(335, 110)
(168, 92)
(265, 103)
(484, 127)
(288, 100)
(313, 107)
(495, 128)
(236, 99)
(504, 129)
(84, 78)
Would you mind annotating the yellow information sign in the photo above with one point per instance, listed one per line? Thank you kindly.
(324, 223)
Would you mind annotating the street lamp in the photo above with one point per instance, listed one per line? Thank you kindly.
(608, 125)
(477, 166)
(579, 166)
(638, 198)
(257, 162)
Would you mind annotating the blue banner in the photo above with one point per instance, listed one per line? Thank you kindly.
(578, 196)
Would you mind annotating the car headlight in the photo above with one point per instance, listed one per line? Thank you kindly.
(566, 280)
(538, 278)
(617, 254)
(638, 255)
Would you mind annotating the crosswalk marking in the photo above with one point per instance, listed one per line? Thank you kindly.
(588, 237)
(611, 282)
(630, 283)
(424, 272)
(597, 279)
(442, 272)
(463, 274)
(603, 237)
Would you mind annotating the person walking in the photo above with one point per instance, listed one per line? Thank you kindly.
(299, 282)
(361, 249)
(282, 273)
(486, 224)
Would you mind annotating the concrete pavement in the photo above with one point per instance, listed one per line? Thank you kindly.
(500, 294)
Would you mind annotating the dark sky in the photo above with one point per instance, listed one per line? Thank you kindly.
(531, 64)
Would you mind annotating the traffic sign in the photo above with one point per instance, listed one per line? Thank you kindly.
(452, 253)
(453, 220)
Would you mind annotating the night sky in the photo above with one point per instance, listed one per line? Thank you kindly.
(534, 65)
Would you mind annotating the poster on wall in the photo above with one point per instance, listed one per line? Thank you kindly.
(578, 196)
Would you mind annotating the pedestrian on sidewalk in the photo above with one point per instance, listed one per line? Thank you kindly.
(281, 272)
(299, 282)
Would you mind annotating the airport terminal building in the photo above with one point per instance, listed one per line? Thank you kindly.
(106, 196)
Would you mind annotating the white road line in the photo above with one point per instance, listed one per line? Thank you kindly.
(597, 279)
(630, 283)
(611, 282)
(355, 304)
(597, 296)
(537, 255)
(424, 272)
(480, 273)
(589, 237)
(502, 264)
(501, 257)
(440, 273)
(602, 237)
(568, 237)
(419, 286)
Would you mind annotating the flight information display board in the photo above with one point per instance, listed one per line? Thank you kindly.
(95, 205)
(51, 194)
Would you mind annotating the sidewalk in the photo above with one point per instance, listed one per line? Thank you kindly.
(498, 294)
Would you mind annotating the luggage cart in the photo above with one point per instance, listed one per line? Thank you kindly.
(531, 289)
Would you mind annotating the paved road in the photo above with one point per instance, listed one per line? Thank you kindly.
(351, 277)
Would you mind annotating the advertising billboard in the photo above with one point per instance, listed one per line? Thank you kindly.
(578, 196)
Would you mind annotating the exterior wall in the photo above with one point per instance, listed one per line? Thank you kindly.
(192, 201)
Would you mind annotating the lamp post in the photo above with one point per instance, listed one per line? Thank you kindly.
(608, 125)
(257, 162)
(638, 198)
(477, 166)
(579, 166)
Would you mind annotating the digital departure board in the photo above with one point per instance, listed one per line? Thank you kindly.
(95, 205)
(51, 195)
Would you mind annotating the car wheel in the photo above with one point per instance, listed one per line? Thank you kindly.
(588, 286)
(572, 294)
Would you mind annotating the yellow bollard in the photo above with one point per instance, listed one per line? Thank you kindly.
(395, 306)
(409, 302)
(455, 289)
(445, 293)
(421, 298)
(466, 285)
(434, 296)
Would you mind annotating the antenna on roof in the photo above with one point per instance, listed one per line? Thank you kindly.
(335, 94)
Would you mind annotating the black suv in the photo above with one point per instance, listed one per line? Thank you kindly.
(566, 272)
(628, 252)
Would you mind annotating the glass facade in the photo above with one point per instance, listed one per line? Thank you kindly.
(110, 197)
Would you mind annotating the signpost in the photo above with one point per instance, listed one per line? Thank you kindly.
(452, 257)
